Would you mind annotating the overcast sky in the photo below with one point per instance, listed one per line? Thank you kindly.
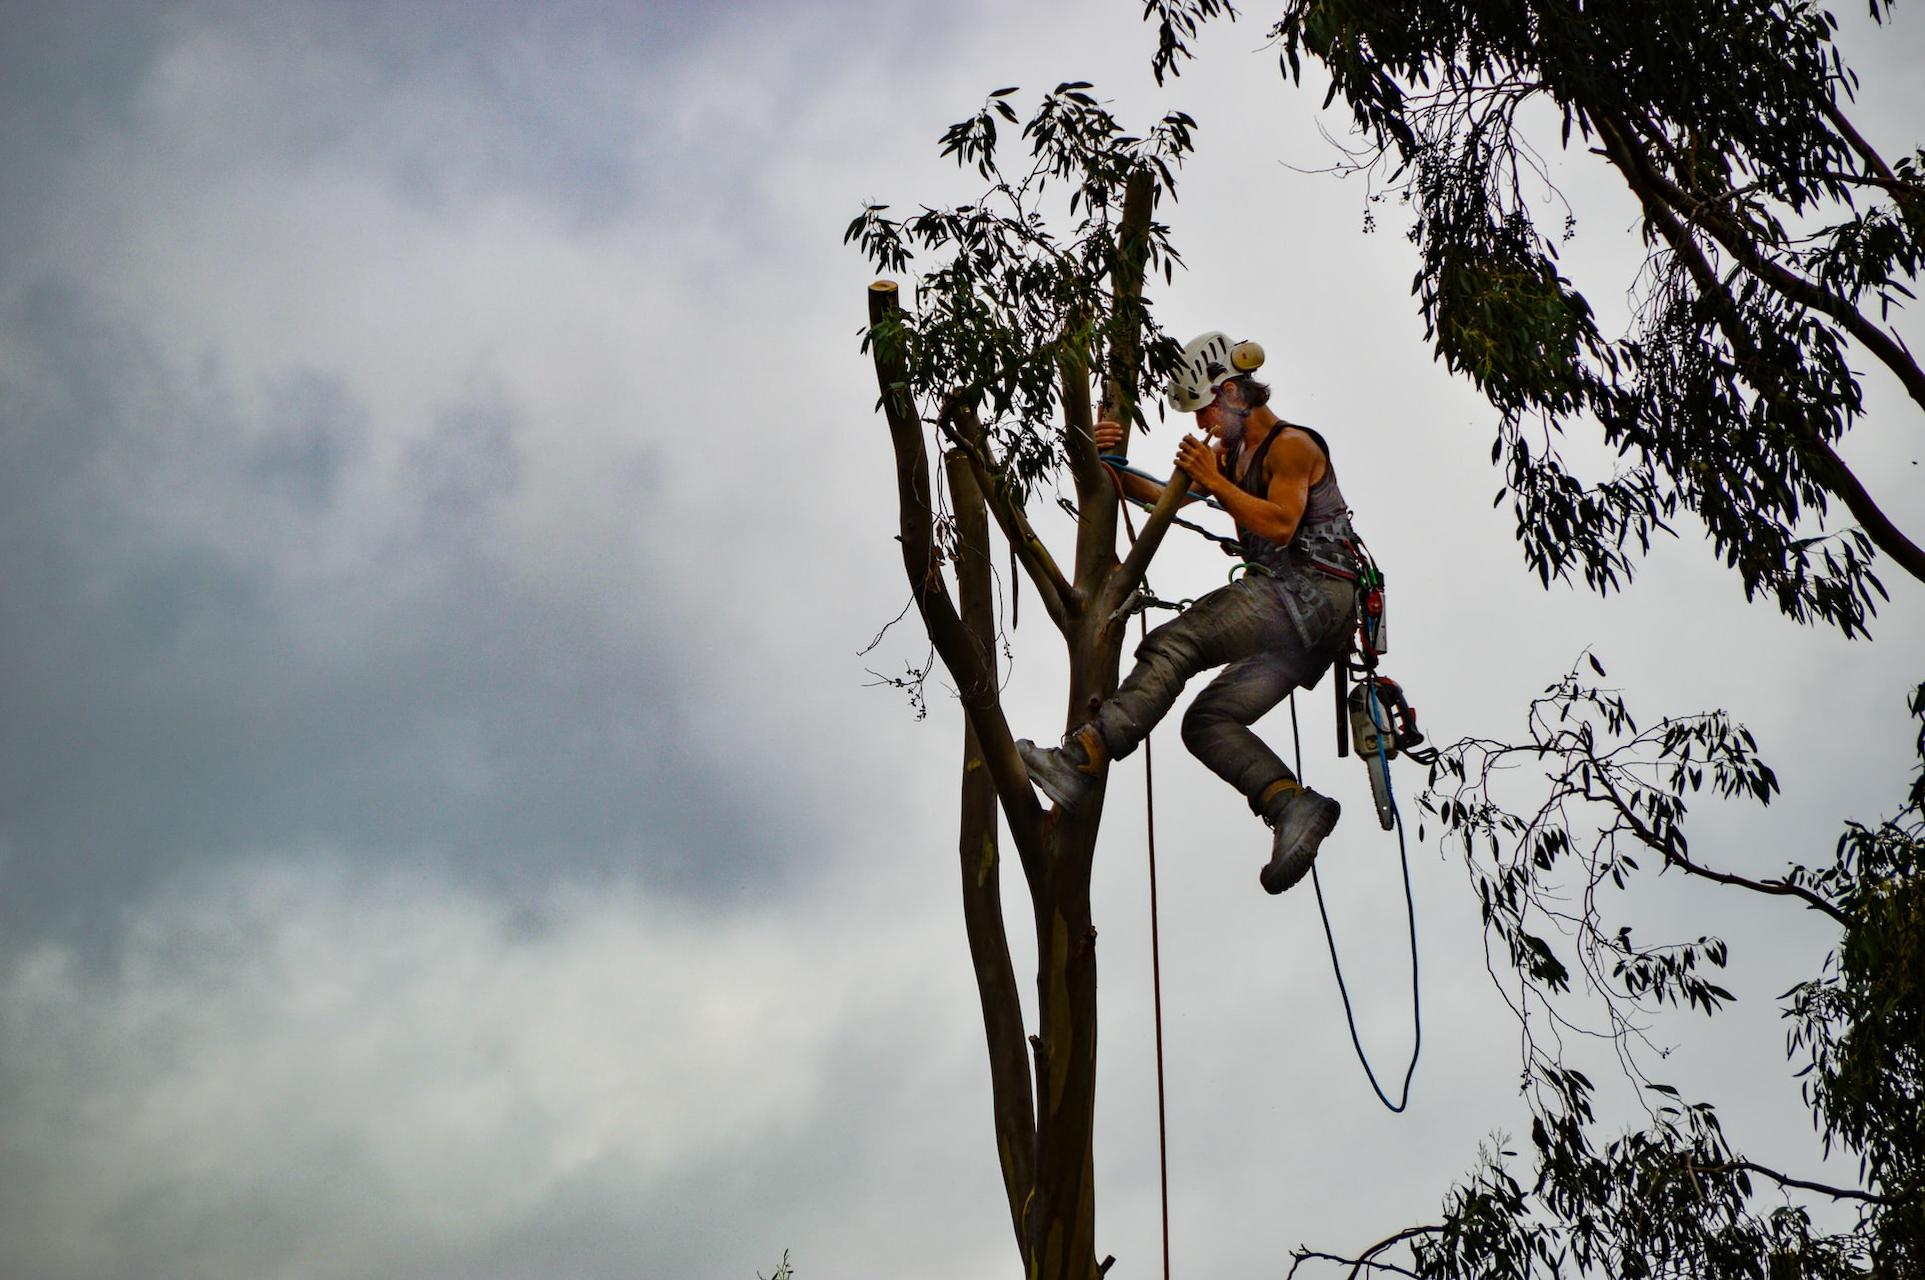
(446, 825)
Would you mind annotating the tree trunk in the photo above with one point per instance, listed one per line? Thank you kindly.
(1045, 1124)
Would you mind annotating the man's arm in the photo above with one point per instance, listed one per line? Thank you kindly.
(1139, 488)
(1294, 463)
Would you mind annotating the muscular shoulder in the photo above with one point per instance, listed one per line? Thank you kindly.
(1296, 454)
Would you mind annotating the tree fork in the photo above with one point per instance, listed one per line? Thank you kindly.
(1058, 596)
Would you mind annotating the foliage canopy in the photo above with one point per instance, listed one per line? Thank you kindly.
(1780, 243)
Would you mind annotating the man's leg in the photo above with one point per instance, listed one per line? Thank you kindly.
(1228, 624)
(1217, 731)
(1232, 624)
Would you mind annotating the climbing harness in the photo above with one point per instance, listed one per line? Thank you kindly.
(1375, 714)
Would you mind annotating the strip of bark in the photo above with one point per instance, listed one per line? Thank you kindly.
(1121, 394)
(1095, 494)
(1062, 1227)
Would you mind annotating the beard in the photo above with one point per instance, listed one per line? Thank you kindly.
(1230, 429)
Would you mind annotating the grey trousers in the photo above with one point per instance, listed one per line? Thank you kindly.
(1270, 635)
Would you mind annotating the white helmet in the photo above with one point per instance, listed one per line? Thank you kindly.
(1208, 362)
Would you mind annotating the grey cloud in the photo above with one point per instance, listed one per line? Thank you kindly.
(191, 679)
(68, 70)
(463, 100)
(589, 108)
(469, 462)
(314, 431)
(327, 1071)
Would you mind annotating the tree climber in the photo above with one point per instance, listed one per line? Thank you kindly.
(1276, 628)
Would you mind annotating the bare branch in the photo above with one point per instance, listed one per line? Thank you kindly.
(1357, 1265)
(1602, 789)
(1367, 1260)
(975, 680)
(1125, 581)
(1649, 182)
(1873, 161)
(1014, 1109)
(1784, 1180)
(1059, 598)
(1871, 517)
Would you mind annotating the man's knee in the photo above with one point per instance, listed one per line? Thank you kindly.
(1205, 718)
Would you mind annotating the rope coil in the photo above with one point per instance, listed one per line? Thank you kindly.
(1410, 909)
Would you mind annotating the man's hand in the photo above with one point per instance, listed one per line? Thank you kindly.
(1199, 459)
(1107, 435)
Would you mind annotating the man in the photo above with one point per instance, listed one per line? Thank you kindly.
(1276, 628)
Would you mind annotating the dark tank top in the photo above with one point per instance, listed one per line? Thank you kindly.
(1323, 540)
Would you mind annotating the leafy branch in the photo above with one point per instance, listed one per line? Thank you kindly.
(1674, 1196)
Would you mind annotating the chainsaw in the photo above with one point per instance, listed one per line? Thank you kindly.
(1374, 713)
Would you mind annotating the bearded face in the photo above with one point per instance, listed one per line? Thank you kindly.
(1226, 416)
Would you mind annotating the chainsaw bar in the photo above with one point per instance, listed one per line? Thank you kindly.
(1380, 790)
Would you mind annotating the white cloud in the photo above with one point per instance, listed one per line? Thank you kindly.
(404, 1069)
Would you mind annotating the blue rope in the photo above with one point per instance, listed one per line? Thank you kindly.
(1121, 463)
(1410, 909)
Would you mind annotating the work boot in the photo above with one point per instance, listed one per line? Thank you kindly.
(1301, 822)
(1066, 774)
